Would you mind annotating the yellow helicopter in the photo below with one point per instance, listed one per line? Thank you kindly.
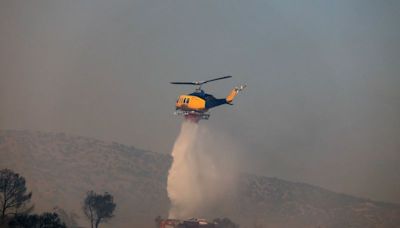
(194, 106)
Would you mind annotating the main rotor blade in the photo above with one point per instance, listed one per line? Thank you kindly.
(200, 82)
(183, 83)
(215, 79)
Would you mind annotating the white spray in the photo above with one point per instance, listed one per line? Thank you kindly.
(201, 174)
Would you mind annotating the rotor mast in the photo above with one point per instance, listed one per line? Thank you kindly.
(198, 88)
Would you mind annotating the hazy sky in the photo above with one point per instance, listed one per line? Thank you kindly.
(323, 98)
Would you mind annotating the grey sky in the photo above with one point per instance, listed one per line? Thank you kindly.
(322, 106)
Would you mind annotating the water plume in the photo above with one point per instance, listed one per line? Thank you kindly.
(202, 173)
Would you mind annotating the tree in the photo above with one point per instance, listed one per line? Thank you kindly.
(13, 193)
(24, 220)
(98, 208)
(45, 220)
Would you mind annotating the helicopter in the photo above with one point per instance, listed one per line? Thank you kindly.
(195, 106)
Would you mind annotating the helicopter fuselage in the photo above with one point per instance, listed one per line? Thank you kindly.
(198, 101)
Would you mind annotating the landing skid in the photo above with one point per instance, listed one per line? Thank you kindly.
(192, 115)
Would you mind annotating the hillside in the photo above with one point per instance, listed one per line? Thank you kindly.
(282, 203)
(61, 168)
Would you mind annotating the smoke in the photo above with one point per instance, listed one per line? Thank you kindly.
(202, 176)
